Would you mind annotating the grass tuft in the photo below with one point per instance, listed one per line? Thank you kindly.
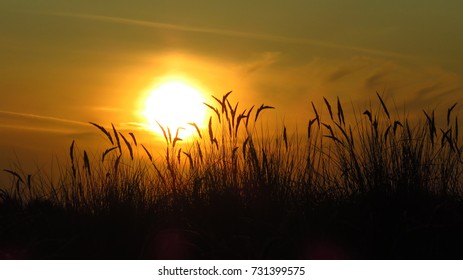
(371, 184)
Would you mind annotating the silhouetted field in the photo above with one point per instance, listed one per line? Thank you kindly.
(374, 187)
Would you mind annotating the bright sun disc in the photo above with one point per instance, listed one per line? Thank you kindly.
(173, 105)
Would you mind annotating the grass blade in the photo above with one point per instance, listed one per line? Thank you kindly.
(87, 164)
(197, 129)
(211, 134)
(247, 116)
(262, 107)
(128, 145)
(329, 108)
(384, 106)
(316, 114)
(170, 134)
(116, 163)
(190, 160)
(147, 153)
(102, 129)
(369, 115)
(133, 138)
(285, 138)
(397, 124)
(238, 121)
(448, 113)
(309, 128)
(340, 113)
(432, 126)
(71, 151)
(107, 152)
(163, 132)
(117, 139)
(14, 174)
(214, 109)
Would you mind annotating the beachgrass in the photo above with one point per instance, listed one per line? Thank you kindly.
(375, 185)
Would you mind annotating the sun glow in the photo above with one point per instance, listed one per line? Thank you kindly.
(174, 104)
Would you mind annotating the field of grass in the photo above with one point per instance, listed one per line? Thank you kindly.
(374, 186)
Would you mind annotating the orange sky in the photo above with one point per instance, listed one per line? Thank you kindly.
(65, 63)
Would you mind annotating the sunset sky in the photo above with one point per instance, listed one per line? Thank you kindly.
(65, 63)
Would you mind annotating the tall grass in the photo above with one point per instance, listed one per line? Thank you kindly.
(233, 166)
(374, 153)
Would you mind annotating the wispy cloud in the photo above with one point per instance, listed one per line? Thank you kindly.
(375, 80)
(35, 128)
(39, 123)
(41, 117)
(232, 33)
(355, 80)
(262, 61)
(346, 68)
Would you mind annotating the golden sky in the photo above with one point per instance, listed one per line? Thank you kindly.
(65, 63)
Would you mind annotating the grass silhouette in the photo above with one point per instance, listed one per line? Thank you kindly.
(375, 187)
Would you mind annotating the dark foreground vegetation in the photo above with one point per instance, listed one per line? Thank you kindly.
(375, 186)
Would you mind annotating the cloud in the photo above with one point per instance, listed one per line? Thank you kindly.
(34, 122)
(233, 33)
(376, 80)
(426, 90)
(338, 74)
(346, 68)
(263, 60)
(34, 129)
(356, 80)
(40, 117)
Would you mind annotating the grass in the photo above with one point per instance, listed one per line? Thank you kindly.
(376, 186)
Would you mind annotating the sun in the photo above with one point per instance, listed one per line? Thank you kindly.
(175, 104)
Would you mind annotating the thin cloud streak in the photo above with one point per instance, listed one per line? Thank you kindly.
(48, 119)
(36, 129)
(232, 33)
(41, 117)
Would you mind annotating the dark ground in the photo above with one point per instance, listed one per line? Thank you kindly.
(392, 226)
